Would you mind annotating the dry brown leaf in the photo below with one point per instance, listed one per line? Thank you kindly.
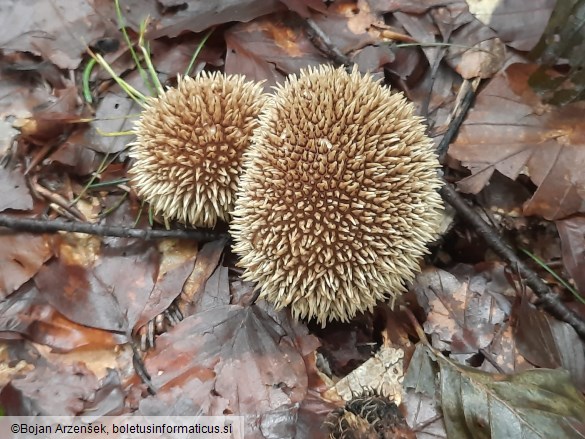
(572, 233)
(216, 348)
(519, 23)
(21, 258)
(463, 311)
(511, 131)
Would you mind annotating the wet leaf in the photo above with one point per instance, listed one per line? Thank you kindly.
(547, 342)
(511, 131)
(215, 348)
(196, 296)
(176, 264)
(422, 410)
(64, 391)
(21, 258)
(53, 29)
(14, 193)
(267, 48)
(115, 113)
(539, 403)
(169, 20)
(462, 312)
(100, 293)
(518, 23)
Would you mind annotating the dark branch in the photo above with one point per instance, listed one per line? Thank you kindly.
(52, 226)
(322, 42)
(549, 300)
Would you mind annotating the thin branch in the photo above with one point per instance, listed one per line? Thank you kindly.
(459, 113)
(53, 226)
(548, 300)
(322, 42)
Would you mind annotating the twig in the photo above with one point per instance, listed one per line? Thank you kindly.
(52, 226)
(322, 42)
(549, 300)
(459, 113)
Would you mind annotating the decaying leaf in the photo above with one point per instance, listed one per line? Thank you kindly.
(572, 233)
(382, 373)
(65, 391)
(511, 131)
(462, 309)
(21, 257)
(520, 24)
(547, 342)
(98, 291)
(245, 355)
(539, 403)
(14, 193)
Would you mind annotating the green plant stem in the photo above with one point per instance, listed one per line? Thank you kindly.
(122, 25)
(85, 80)
(197, 51)
(559, 279)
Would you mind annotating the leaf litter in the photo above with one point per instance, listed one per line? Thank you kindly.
(69, 305)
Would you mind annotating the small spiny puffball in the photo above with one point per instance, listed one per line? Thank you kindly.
(338, 198)
(189, 146)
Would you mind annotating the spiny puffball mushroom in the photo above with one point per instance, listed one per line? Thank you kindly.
(189, 146)
(338, 198)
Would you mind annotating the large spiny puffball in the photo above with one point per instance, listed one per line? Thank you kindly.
(189, 146)
(339, 195)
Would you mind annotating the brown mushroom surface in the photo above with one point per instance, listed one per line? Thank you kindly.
(189, 146)
(338, 199)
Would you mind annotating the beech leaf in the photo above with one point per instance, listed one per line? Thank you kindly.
(539, 403)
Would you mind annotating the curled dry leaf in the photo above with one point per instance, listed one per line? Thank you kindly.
(463, 310)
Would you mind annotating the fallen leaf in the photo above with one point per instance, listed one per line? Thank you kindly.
(382, 373)
(511, 131)
(462, 311)
(422, 410)
(100, 293)
(215, 348)
(518, 23)
(547, 342)
(539, 403)
(14, 193)
(53, 29)
(115, 113)
(64, 391)
(21, 258)
(176, 264)
(269, 48)
(572, 233)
